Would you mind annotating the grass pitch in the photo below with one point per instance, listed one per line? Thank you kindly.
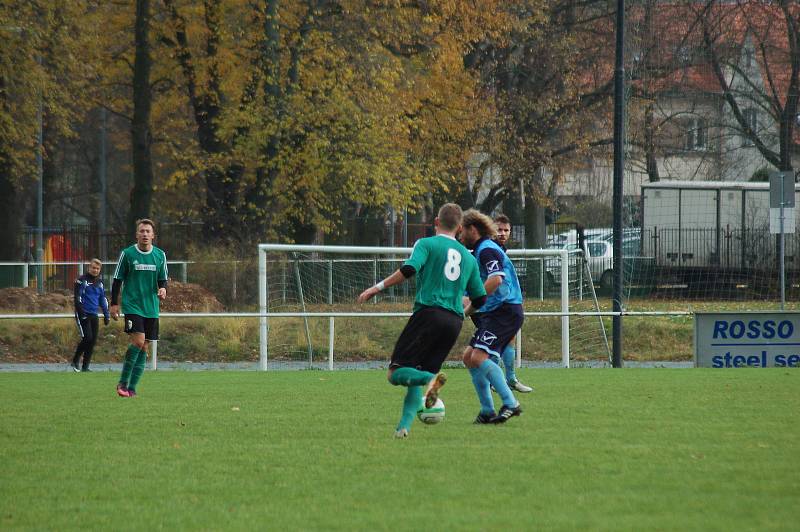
(596, 449)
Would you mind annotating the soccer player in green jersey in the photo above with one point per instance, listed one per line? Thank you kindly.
(142, 272)
(445, 270)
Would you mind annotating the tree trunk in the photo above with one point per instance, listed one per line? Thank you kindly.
(221, 182)
(787, 122)
(10, 218)
(258, 196)
(52, 212)
(535, 226)
(304, 233)
(790, 116)
(142, 193)
(219, 216)
(650, 145)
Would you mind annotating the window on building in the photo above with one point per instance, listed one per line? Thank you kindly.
(751, 120)
(749, 57)
(683, 54)
(696, 134)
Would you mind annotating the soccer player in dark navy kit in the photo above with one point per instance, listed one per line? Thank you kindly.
(90, 296)
(445, 270)
(509, 354)
(498, 320)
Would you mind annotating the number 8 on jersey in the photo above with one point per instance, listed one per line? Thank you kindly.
(452, 269)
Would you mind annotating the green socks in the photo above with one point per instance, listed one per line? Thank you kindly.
(138, 369)
(414, 379)
(127, 366)
(133, 367)
(411, 405)
(410, 377)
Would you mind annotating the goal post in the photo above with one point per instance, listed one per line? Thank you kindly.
(319, 284)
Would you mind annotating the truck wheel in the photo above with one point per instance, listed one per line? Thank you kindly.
(607, 279)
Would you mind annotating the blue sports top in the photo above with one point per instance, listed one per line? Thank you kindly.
(492, 261)
(90, 295)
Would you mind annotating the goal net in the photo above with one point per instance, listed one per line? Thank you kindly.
(307, 298)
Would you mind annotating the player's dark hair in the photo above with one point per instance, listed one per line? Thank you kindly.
(146, 221)
(450, 216)
(485, 225)
(502, 219)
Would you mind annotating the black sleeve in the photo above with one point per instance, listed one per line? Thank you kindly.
(491, 260)
(77, 297)
(408, 271)
(162, 283)
(117, 284)
(478, 301)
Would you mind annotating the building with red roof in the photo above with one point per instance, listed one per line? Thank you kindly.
(713, 91)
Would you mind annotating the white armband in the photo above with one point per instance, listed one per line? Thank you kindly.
(380, 286)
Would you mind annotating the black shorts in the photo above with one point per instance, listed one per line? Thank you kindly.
(427, 339)
(139, 324)
(497, 328)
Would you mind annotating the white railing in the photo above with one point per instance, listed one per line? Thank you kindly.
(331, 315)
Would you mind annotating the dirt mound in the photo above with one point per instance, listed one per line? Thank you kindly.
(188, 297)
(28, 301)
(181, 297)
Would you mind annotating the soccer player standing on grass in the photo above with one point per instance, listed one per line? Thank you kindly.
(90, 296)
(509, 354)
(142, 273)
(498, 321)
(445, 270)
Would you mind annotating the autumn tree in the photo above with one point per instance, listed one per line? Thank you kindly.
(41, 71)
(760, 83)
(317, 106)
(542, 100)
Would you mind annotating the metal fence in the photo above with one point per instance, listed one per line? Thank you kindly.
(223, 278)
(66, 243)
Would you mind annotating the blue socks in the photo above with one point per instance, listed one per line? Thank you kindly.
(410, 377)
(497, 379)
(484, 375)
(509, 362)
(481, 384)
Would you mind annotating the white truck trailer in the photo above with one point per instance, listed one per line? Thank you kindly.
(712, 227)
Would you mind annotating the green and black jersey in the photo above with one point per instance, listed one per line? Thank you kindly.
(445, 271)
(140, 273)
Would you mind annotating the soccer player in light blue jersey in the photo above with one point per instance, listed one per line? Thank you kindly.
(498, 320)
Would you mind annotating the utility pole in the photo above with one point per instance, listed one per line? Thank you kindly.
(103, 185)
(39, 195)
(619, 169)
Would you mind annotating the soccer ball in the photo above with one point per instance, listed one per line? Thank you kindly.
(432, 415)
